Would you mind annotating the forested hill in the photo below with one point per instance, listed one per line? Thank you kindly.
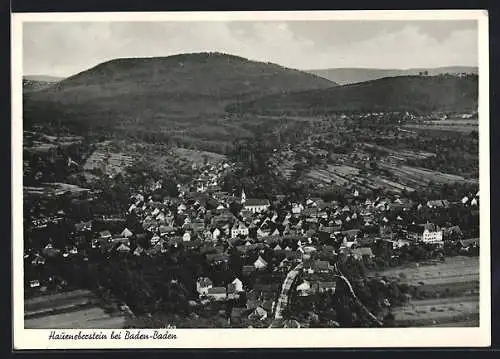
(405, 93)
(205, 74)
(344, 76)
(138, 92)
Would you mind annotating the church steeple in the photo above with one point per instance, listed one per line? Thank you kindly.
(243, 196)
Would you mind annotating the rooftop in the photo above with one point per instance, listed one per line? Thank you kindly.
(257, 202)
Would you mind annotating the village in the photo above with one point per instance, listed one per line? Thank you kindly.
(257, 253)
(323, 171)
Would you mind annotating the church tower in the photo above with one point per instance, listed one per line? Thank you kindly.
(243, 196)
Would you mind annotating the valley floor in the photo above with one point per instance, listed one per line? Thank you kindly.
(76, 309)
(456, 284)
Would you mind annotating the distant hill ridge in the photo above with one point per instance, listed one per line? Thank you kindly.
(403, 93)
(42, 78)
(344, 76)
(33, 85)
(197, 99)
(208, 74)
(38, 82)
(183, 94)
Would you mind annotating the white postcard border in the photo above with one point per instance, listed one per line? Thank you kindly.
(258, 338)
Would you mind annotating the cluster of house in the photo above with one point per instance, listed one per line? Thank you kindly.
(268, 236)
(261, 299)
(43, 222)
(206, 289)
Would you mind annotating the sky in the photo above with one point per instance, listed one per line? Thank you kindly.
(66, 48)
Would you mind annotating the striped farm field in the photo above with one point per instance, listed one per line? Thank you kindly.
(454, 269)
(343, 170)
(327, 176)
(460, 311)
(420, 176)
(394, 185)
(403, 177)
(436, 176)
(347, 175)
(464, 122)
(460, 128)
(87, 318)
(403, 154)
(43, 303)
(198, 157)
(455, 283)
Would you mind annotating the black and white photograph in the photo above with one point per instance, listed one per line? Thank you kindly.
(253, 172)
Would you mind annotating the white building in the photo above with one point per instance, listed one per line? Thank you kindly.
(260, 263)
(238, 285)
(429, 236)
(127, 233)
(215, 234)
(256, 205)
(304, 288)
(296, 209)
(239, 229)
(203, 285)
(243, 197)
(428, 233)
(186, 237)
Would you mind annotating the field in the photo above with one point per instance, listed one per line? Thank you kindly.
(38, 143)
(44, 304)
(327, 177)
(344, 175)
(88, 318)
(286, 169)
(115, 156)
(75, 309)
(198, 157)
(340, 175)
(465, 122)
(460, 128)
(400, 153)
(439, 312)
(52, 189)
(466, 323)
(393, 177)
(454, 269)
(113, 162)
(416, 177)
(456, 282)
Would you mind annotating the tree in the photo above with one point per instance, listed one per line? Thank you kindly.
(235, 208)
(170, 188)
(389, 320)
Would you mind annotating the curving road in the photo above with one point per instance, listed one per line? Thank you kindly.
(285, 291)
(355, 297)
(287, 286)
